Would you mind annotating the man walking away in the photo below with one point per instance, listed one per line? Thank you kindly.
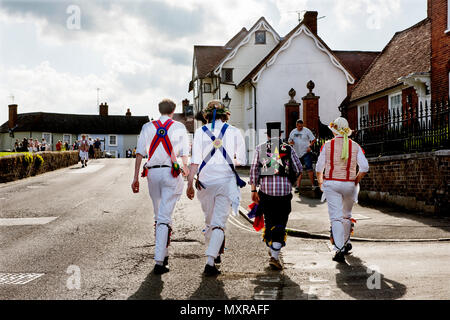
(303, 139)
(163, 140)
(217, 148)
(274, 170)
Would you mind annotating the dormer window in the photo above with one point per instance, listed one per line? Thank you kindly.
(227, 75)
(260, 37)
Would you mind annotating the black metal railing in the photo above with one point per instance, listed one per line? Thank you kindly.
(415, 128)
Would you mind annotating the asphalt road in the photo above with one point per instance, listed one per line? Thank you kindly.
(98, 244)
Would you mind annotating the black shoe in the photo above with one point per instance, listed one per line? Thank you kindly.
(218, 260)
(339, 257)
(160, 269)
(211, 271)
(348, 247)
(166, 261)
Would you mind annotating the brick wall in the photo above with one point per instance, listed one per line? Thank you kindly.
(378, 105)
(440, 49)
(416, 182)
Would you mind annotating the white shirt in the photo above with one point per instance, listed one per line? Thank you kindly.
(302, 140)
(361, 159)
(177, 135)
(217, 169)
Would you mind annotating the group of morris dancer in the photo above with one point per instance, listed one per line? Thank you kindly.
(218, 148)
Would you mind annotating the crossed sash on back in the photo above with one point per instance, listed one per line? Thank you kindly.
(218, 147)
(161, 136)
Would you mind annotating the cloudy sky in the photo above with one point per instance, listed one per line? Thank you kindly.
(55, 54)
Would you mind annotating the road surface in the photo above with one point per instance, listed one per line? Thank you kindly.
(82, 234)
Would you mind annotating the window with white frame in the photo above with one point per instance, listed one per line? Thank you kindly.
(363, 112)
(112, 139)
(207, 88)
(260, 37)
(67, 138)
(395, 103)
(227, 75)
(48, 137)
(395, 108)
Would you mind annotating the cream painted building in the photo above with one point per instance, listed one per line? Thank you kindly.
(257, 68)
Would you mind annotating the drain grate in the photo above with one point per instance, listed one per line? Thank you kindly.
(18, 278)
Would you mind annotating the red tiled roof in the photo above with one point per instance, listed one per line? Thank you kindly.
(408, 52)
(357, 62)
(207, 58)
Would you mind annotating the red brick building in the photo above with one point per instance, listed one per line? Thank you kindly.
(412, 69)
(438, 12)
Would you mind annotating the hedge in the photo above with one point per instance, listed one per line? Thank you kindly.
(23, 165)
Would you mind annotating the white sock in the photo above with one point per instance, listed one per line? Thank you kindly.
(275, 253)
(210, 261)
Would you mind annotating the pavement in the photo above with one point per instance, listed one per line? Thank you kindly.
(309, 219)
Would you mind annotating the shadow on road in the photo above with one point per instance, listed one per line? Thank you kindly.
(150, 289)
(273, 285)
(210, 288)
(356, 280)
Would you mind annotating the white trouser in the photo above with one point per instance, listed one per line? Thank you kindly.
(341, 197)
(84, 155)
(165, 191)
(216, 205)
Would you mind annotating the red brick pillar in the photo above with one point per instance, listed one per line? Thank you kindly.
(292, 113)
(311, 110)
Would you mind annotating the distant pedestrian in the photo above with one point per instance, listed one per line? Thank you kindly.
(97, 146)
(43, 145)
(91, 148)
(58, 145)
(84, 151)
(302, 139)
(339, 159)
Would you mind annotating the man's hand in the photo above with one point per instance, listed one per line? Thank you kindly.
(185, 171)
(135, 186)
(291, 143)
(255, 197)
(190, 192)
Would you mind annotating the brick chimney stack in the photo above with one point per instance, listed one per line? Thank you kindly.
(128, 114)
(310, 20)
(104, 109)
(12, 121)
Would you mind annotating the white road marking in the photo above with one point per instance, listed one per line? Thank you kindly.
(89, 169)
(18, 278)
(35, 187)
(8, 222)
(360, 217)
(238, 224)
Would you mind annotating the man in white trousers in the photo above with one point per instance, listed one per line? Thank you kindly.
(339, 158)
(84, 151)
(162, 141)
(217, 148)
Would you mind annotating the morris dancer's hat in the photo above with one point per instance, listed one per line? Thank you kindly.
(215, 107)
(273, 126)
(340, 127)
(218, 106)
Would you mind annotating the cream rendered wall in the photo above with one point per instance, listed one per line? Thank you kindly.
(246, 59)
(294, 67)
